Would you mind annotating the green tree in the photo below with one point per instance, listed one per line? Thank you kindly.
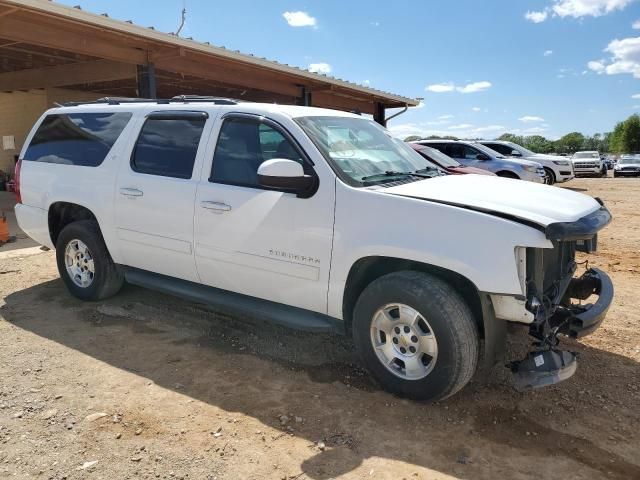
(631, 135)
(570, 143)
(615, 139)
(538, 144)
(412, 138)
(510, 137)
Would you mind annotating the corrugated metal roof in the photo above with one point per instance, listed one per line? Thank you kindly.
(150, 33)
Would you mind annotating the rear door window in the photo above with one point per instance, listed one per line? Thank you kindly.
(168, 144)
(498, 147)
(82, 139)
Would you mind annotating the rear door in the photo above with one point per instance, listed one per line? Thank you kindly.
(155, 193)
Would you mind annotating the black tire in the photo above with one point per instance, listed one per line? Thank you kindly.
(508, 175)
(451, 322)
(107, 279)
(550, 176)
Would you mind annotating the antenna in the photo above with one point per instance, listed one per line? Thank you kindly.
(183, 17)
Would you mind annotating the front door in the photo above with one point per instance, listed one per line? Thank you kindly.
(262, 242)
(155, 194)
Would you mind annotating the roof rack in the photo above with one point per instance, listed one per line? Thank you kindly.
(176, 99)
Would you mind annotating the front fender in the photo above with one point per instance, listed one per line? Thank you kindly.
(476, 245)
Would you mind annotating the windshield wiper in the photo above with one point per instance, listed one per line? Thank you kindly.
(391, 173)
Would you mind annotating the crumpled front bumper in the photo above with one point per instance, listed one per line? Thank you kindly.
(581, 320)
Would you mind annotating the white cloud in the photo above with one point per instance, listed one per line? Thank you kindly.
(587, 8)
(490, 128)
(374, 24)
(625, 58)
(440, 87)
(474, 87)
(536, 17)
(445, 117)
(577, 9)
(636, 25)
(531, 118)
(322, 68)
(596, 65)
(462, 126)
(299, 19)
(366, 83)
(450, 87)
(476, 109)
(636, 96)
(548, 53)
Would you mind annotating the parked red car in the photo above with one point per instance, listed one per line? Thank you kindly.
(445, 162)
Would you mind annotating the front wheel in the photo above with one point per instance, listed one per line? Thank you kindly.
(84, 263)
(416, 336)
(549, 176)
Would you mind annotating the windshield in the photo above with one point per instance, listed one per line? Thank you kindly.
(488, 151)
(438, 157)
(586, 155)
(363, 151)
(525, 152)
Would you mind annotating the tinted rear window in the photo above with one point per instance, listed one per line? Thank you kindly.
(82, 139)
(167, 146)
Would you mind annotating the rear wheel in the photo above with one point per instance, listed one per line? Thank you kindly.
(84, 262)
(549, 176)
(416, 335)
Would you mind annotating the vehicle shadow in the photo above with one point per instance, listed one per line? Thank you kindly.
(242, 365)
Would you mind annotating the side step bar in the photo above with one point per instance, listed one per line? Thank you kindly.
(278, 313)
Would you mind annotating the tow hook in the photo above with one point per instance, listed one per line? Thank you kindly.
(543, 368)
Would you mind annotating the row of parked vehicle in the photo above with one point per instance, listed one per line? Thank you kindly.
(508, 159)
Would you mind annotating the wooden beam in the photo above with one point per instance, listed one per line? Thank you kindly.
(55, 36)
(330, 100)
(8, 11)
(62, 75)
(226, 74)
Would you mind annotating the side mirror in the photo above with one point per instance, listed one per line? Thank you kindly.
(284, 174)
(515, 153)
(482, 156)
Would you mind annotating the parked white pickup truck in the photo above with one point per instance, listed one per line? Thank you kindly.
(314, 219)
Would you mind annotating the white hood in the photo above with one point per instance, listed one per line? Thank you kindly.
(537, 203)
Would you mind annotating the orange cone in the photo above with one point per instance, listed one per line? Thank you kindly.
(4, 229)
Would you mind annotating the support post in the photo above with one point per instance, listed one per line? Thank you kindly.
(305, 99)
(146, 75)
(379, 114)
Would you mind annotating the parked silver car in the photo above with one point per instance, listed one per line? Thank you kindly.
(474, 154)
(557, 169)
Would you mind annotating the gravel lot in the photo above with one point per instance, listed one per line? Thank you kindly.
(149, 386)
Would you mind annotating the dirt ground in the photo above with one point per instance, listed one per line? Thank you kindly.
(149, 386)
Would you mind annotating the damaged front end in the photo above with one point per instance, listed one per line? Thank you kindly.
(556, 292)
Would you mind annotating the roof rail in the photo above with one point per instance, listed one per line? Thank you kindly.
(176, 99)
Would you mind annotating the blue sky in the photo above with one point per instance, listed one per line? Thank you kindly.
(483, 67)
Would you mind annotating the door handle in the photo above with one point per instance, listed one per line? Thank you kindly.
(131, 192)
(217, 206)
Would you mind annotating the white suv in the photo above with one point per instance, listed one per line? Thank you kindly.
(314, 219)
(556, 169)
(589, 164)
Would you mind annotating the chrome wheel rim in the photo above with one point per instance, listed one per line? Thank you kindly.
(404, 341)
(79, 263)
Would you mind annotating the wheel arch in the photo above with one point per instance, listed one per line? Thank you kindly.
(367, 269)
(508, 174)
(61, 214)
